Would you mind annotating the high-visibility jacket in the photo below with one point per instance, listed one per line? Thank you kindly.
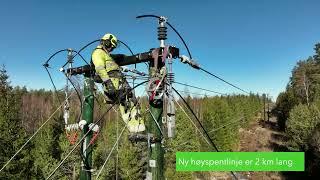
(104, 64)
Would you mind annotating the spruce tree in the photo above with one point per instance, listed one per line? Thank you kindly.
(13, 136)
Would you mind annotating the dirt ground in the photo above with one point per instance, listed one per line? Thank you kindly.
(261, 136)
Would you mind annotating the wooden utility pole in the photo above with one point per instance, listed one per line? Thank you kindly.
(268, 108)
(264, 107)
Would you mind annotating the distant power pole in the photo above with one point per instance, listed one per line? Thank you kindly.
(264, 106)
(268, 108)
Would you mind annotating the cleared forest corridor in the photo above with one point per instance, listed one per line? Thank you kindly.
(194, 90)
(262, 136)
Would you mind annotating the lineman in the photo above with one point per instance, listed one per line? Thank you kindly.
(115, 86)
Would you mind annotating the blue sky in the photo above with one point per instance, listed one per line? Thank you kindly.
(253, 44)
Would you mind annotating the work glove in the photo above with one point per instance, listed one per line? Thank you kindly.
(109, 87)
(110, 90)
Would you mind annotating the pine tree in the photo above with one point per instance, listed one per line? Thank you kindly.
(302, 121)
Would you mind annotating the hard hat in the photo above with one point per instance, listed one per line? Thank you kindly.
(110, 40)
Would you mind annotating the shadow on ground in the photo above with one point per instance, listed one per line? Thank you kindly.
(278, 147)
(272, 125)
(277, 143)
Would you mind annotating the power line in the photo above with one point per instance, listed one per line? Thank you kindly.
(192, 122)
(199, 88)
(46, 65)
(223, 80)
(115, 144)
(199, 122)
(85, 135)
(155, 121)
(188, 92)
(78, 53)
(239, 120)
(171, 26)
(202, 127)
(54, 86)
(117, 124)
(223, 126)
(117, 156)
(32, 136)
(187, 48)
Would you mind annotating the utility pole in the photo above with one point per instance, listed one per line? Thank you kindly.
(154, 124)
(156, 88)
(264, 107)
(87, 115)
(268, 108)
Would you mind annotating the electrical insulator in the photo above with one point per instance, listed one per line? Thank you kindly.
(170, 77)
(162, 33)
(72, 127)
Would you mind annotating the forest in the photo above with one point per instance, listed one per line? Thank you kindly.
(297, 111)
(23, 111)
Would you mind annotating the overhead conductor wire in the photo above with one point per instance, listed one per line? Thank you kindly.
(85, 135)
(199, 88)
(31, 137)
(46, 65)
(202, 127)
(211, 142)
(189, 53)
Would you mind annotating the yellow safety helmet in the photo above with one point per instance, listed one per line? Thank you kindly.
(109, 40)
